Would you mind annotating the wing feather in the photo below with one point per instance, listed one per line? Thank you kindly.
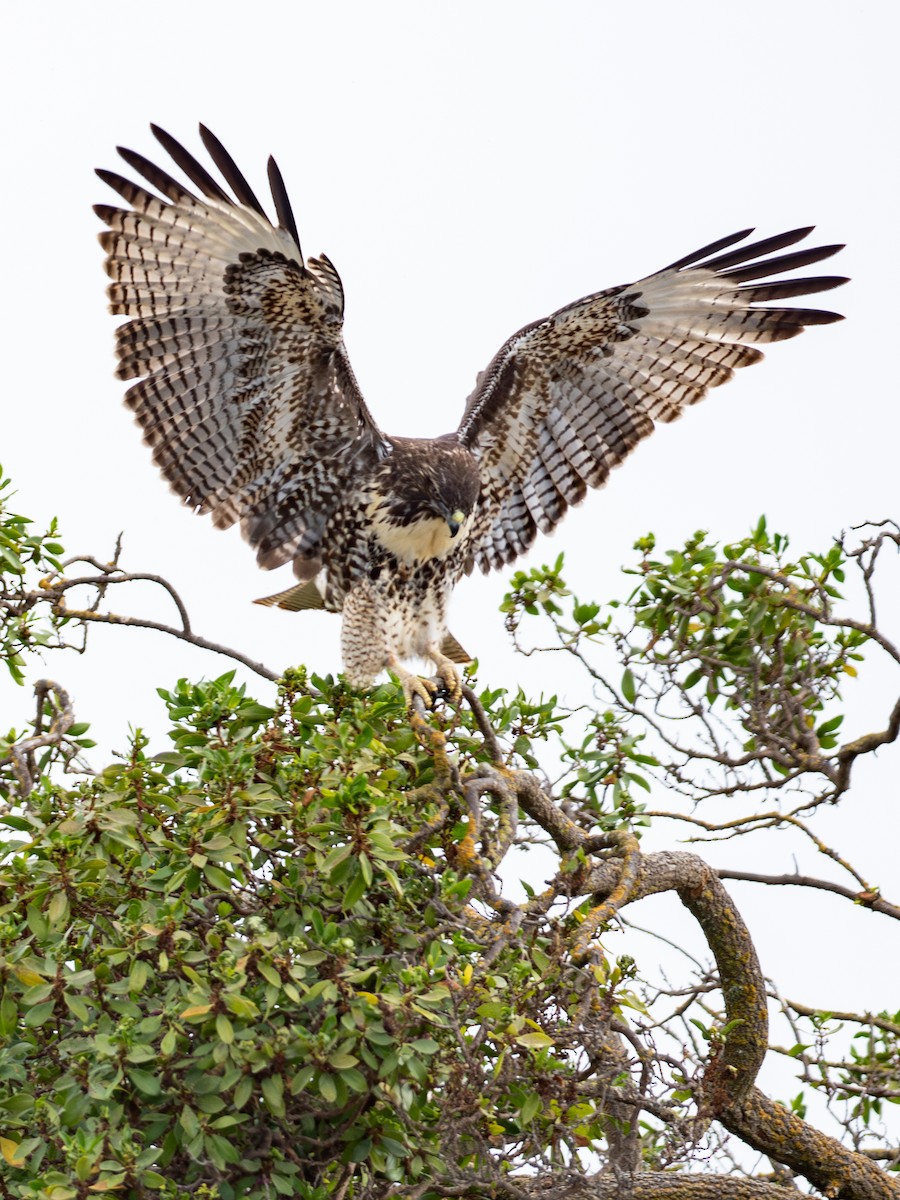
(231, 173)
(566, 399)
(243, 388)
(282, 201)
(194, 170)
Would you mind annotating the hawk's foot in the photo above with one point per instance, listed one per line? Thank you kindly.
(415, 685)
(448, 673)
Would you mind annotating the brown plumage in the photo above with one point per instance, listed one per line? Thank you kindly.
(246, 396)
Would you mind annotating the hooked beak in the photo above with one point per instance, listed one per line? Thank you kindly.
(455, 522)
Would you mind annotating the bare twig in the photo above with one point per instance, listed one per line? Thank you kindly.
(62, 719)
(859, 1018)
(182, 635)
(869, 898)
(53, 590)
(484, 725)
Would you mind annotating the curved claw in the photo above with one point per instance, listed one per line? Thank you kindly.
(415, 685)
(448, 674)
(428, 689)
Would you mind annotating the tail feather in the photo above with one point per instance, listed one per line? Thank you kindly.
(294, 599)
(451, 649)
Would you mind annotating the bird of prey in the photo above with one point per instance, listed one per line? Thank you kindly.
(246, 396)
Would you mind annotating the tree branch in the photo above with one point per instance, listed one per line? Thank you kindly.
(829, 1166)
(866, 899)
(183, 635)
(21, 755)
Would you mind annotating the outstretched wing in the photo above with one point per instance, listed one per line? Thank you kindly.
(567, 398)
(245, 392)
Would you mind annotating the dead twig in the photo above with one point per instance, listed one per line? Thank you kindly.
(62, 718)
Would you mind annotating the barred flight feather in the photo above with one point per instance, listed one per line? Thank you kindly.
(247, 400)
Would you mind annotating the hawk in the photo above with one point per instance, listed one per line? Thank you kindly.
(246, 396)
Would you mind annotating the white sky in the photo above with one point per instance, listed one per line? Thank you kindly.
(469, 168)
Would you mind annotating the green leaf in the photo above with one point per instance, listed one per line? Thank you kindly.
(273, 1094)
(12, 559)
(335, 858)
(9, 1012)
(365, 867)
(137, 977)
(268, 972)
(534, 1041)
(491, 1010)
(355, 891)
(144, 1081)
(392, 1146)
(355, 1080)
(58, 909)
(425, 1046)
(242, 1092)
(309, 958)
(34, 995)
(39, 1014)
(77, 1006)
(218, 878)
(241, 1006)
(341, 1061)
(360, 1151)
(188, 1121)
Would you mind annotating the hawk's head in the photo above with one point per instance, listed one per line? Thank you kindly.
(422, 498)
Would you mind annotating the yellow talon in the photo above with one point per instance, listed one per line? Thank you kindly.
(447, 673)
(414, 685)
(428, 689)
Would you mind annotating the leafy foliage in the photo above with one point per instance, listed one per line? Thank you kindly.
(25, 557)
(221, 965)
(275, 959)
(746, 624)
(721, 671)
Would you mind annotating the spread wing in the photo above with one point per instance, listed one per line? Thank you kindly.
(244, 391)
(567, 398)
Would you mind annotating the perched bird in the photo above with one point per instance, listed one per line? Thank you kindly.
(246, 396)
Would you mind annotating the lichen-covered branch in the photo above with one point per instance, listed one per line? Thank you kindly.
(839, 1173)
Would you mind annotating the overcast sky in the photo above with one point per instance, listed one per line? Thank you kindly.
(468, 167)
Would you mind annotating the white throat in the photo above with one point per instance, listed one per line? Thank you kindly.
(421, 541)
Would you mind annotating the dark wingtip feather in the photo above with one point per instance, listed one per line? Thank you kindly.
(155, 175)
(125, 187)
(772, 266)
(712, 248)
(282, 202)
(232, 175)
(783, 289)
(789, 322)
(108, 177)
(194, 170)
(757, 249)
(821, 316)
